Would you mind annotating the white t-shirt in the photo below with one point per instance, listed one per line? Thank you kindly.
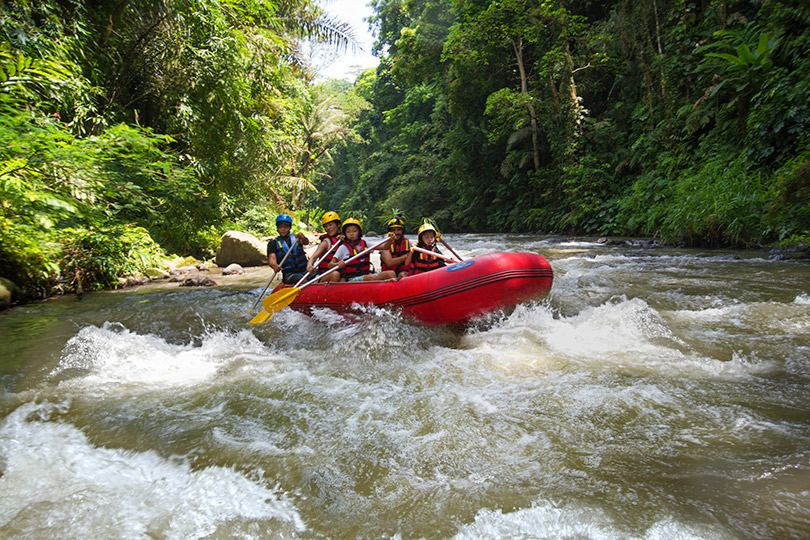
(342, 252)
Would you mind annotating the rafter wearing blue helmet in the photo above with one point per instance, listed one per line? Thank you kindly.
(295, 266)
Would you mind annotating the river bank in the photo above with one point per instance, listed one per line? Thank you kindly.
(198, 271)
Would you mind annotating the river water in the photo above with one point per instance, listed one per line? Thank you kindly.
(655, 394)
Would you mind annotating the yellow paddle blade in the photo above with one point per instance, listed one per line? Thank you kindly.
(275, 303)
(279, 300)
(260, 317)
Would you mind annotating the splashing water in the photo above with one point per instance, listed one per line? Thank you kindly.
(656, 394)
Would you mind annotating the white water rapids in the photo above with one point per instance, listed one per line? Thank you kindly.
(656, 394)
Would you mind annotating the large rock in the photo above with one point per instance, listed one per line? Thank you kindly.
(8, 292)
(241, 248)
(197, 280)
(233, 269)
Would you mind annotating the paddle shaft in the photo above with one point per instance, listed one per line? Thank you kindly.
(334, 246)
(275, 273)
(439, 255)
(350, 259)
(456, 255)
(287, 296)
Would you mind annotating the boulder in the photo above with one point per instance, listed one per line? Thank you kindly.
(188, 269)
(197, 280)
(156, 273)
(132, 281)
(233, 269)
(8, 292)
(613, 242)
(241, 248)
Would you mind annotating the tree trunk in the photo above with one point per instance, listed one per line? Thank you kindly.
(524, 89)
(660, 55)
(572, 88)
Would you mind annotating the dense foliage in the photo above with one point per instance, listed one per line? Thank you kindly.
(130, 127)
(679, 119)
(133, 128)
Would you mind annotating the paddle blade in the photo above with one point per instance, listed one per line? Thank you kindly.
(260, 317)
(279, 300)
(275, 303)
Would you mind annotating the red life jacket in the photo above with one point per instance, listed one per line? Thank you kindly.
(358, 267)
(324, 265)
(422, 262)
(398, 250)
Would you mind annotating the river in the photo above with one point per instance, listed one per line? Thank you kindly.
(655, 394)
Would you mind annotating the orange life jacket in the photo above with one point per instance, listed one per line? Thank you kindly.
(358, 267)
(422, 262)
(397, 250)
(324, 264)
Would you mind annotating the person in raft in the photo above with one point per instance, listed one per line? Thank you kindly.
(398, 247)
(359, 269)
(295, 266)
(422, 262)
(331, 226)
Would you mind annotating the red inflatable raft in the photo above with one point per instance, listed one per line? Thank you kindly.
(450, 295)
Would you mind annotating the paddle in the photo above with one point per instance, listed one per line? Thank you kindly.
(275, 273)
(322, 257)
(283, 298)
(440, 256)
(451, 249)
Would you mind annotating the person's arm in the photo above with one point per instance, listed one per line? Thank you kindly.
(271, 259)
(390, 260)
(320, 250)
(387, 258)
(302, 239)
(409, 256)
(341, 254)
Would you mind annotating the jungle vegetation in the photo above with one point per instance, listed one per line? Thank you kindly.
(135, 128)
(686, 120)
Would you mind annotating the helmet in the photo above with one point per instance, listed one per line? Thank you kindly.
(330, 216)
(426, 227)
(284, 218)
(352, 221)
(395, 221)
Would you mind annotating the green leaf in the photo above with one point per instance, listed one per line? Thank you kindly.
(746, 58)
(763, 48)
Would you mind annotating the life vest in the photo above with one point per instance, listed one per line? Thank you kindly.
(398, 250)
(296, 262)
(422, 262)
(358, 267)
(324, 264)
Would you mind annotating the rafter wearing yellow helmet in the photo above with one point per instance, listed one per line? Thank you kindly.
(322, 255)
(422, 262)
(397, 249)
(359, 269)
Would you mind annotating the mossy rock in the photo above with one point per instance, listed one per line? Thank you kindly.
(156, 273)
(188, 261)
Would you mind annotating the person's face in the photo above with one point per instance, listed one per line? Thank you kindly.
(331, 228)
(397, 232)
(428, 237)
(283, 229)
(352, 232)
